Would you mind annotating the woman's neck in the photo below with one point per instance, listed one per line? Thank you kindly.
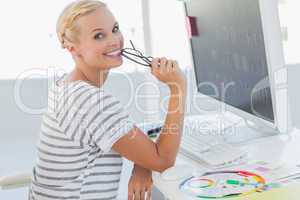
(95, 77)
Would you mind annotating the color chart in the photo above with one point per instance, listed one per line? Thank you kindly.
(222, 184)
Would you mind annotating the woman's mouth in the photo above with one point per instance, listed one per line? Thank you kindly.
(114, 54)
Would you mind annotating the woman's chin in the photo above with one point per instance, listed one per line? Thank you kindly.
(117, 63)
(114, 63)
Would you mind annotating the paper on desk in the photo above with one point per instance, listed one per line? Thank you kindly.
(277, 172)
(290, 192)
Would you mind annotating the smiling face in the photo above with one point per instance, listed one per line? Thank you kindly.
(99, 40)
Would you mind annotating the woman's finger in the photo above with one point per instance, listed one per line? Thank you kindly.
(137, 195)
(143, 194)
(149, 194)
(175, 64)
(155, 66)
(163, 61)
(169, 65)
(162, 67)
(130, 195)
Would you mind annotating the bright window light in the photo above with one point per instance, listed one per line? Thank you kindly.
(289, 19)
(28, 38)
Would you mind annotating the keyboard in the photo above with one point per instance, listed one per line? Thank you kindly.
(203, 141)
(212, 153)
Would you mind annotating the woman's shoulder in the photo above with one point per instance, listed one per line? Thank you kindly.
(80, 95)
(60, 86)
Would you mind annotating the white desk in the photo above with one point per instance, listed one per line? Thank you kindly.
(272, 149)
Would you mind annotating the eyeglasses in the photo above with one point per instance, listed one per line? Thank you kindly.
(136, 56)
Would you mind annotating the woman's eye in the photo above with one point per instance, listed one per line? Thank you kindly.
(116, 29)
(99, 36)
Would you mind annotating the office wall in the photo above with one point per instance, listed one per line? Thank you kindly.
(18, 130)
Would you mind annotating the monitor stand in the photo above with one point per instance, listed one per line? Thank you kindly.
(246, 133)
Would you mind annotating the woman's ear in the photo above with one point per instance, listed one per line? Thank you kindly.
(72, 49)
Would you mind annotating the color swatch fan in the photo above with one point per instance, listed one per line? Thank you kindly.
(220, 184)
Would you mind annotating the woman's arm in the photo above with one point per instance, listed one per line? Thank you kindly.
(160, 155)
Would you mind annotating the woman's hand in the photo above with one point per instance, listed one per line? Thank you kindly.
(139, 184)
(168, 72)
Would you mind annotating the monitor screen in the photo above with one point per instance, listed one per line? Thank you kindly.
(229, 54)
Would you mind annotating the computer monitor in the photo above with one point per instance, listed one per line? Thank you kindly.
(238, 58)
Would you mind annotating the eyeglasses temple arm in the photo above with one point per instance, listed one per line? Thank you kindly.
(132, 44)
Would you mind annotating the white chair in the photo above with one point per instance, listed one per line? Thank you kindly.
(15, 181)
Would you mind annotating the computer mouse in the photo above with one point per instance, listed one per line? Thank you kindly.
(177, 172)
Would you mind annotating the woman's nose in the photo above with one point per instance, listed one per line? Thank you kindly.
(115, 41)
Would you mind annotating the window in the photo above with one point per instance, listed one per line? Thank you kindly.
(28, 38)
(289, 17)
(168, 31)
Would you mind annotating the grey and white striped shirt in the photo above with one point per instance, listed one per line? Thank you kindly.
(75, 159)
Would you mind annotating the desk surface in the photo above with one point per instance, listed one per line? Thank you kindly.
(275, 149)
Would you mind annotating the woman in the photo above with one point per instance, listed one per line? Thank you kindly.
(85, 131)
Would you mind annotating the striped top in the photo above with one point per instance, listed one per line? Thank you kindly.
(75, 159)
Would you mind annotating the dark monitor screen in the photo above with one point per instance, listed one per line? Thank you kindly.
(229, 54)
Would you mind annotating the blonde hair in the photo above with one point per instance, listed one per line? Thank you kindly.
(66, 28)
